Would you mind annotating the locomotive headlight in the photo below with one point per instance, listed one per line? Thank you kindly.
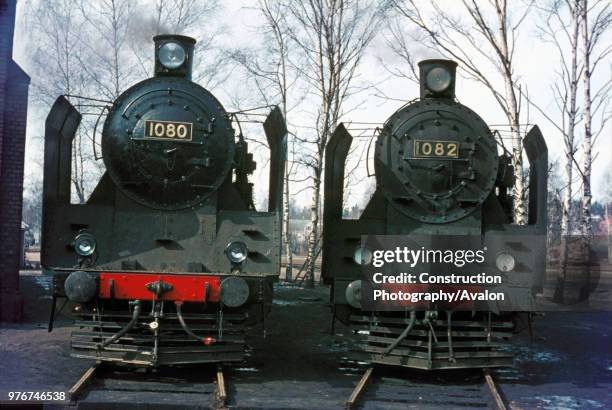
(438, 79)
(171, 55)
(362, 256)
(505, 262)
(353, 294)
(236, 252)
(85, 244)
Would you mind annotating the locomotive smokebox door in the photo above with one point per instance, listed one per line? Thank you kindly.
(167, 143)
(437, 78)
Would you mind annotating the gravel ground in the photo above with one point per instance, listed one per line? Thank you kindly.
(300, 365)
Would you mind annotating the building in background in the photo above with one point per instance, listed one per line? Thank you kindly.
(14, 83)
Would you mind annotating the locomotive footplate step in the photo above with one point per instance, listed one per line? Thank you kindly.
(384, 387)
(121, 387)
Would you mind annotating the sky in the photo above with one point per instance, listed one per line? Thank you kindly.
(535, 64)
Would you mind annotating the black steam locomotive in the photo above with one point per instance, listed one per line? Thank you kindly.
(168, 262)
(439, 172)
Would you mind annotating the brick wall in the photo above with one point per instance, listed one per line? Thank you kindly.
(6, 44)
(14, 84)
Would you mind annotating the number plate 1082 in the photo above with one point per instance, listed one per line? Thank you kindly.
(168, 130)
(435, 149)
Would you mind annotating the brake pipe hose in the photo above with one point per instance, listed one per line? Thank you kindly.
(179, 314)
(122, 332)
(403, 335)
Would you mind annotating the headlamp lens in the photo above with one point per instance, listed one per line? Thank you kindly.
(237, 252)
(85, 244)
(438, 79)
(171, 55)
(362, 256)
(505, 262)
(353, 294)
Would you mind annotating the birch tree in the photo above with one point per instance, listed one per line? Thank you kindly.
(486, 40)
(274, 78)
(107, 64)
(561, 28)
(179, 16)
(595, 21)
(564, 28)
(56, 28)
(195, 18)
(332, 36)
(606, 198)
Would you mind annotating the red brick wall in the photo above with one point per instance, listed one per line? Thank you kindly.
(7, 12)
(13, 114)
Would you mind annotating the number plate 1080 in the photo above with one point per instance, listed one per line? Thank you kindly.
(435, 149)
(168, 130)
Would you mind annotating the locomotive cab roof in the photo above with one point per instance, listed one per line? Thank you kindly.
(173, 55)
(437, 78)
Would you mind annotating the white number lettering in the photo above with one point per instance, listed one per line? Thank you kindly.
(181, 131)
(159, 129)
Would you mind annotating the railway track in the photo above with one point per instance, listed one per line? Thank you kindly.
(388, 389)
(114, 386)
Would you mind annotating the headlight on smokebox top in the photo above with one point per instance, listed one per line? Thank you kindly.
(438, 79)
(505, 262)
(171, 55)
(236, 252)
(234, 291)
(85, 244)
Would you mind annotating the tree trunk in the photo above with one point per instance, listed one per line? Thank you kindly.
(608, 231)
(566, 226)
(513, 115)
(314, 224)
(587, 141)
(336, 36)
(286, 234)
(520, 215)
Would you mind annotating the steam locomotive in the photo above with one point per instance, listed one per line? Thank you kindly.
(167, 262)
(439, 172)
